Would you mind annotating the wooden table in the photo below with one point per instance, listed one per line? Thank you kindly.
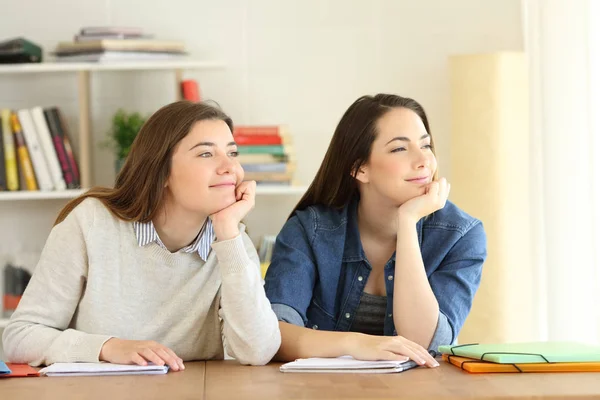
(215, 380)
(227, 380)
(188, 384)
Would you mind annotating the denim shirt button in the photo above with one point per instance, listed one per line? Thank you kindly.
(347, 315)
(390, 277)
(315, 326)
(360, 278)
(389, 315)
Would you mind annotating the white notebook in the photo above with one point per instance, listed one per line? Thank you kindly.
(101, 369)
(346, 364)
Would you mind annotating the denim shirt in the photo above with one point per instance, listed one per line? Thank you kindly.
(318, 270)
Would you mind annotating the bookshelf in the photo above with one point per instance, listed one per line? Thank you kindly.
(72, 193)
(83, 71)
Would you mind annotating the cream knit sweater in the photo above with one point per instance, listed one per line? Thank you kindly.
(94, 282)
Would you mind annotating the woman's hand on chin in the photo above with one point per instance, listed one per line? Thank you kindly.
(434, 198)
(226, 221)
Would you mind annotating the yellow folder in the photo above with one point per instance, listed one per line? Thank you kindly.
(475, 366)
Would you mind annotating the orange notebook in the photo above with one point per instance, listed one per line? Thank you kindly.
(475, 366)
(19, 370)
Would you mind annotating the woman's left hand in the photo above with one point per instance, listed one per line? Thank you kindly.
(435, 197)
(226, 221)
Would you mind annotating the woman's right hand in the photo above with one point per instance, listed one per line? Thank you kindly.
(389, 348)
(140, 352)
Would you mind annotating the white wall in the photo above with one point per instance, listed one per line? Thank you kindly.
(298, 62)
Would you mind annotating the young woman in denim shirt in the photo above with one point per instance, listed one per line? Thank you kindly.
(374, 262)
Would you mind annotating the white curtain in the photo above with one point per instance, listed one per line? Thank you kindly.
(562, 41)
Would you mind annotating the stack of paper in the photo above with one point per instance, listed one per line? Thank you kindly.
(346, 364)
(524, 357)
(95, 369)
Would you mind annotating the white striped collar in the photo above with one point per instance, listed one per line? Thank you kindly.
(145, 233)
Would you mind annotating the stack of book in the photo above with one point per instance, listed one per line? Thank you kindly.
(36, 151)
(523, 357)
(105, 44)
(266, 154)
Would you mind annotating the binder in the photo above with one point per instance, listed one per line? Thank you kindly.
(526, 353)
(474, 366)
(11, 370)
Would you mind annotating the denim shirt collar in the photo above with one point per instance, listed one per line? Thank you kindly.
(353, 249)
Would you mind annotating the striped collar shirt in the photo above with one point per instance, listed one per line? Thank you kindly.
(145, 233)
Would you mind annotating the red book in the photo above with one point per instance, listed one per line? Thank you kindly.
(270, 130)
(253, 140)
(189, 90)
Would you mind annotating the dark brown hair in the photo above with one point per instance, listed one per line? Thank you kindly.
(139, 186)
(334, 185)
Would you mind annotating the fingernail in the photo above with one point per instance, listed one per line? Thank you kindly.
(421, 361)
(436, 364)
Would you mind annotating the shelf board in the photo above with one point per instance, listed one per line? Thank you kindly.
(280, 189)
(72, 193)
(108, 66)
(3, 322)
(39, 195)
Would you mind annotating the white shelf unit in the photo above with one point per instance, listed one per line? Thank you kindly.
(72, 193)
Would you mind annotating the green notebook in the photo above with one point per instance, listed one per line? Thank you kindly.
(526, 353)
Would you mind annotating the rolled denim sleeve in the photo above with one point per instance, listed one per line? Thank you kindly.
(290, 278)
(443, 333)
(455, 282)
(287, 314)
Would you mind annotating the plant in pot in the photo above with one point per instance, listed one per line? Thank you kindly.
(124, 128)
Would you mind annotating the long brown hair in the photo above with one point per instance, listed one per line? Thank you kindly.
(139, 186)
(334, 185)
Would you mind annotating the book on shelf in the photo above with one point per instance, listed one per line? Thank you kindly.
(42, 154)
(118, 56)
(110, 30)
(10, 153)
(36, 152)
(24, 164)
(256, 130)
(146, 45)
(2, 165)
(53, 122)
(45, 138)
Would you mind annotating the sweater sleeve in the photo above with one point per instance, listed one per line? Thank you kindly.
(37, 332)
(250, 326)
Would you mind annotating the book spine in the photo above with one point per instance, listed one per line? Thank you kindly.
(10, 154)
(2, 165)
(24, 159)
(274, 167)
(64, 132)
(45, 138)
(268, 176)
(255, 140)
(40, 166)
(273, 150)
(271, 130)
(59, 146)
